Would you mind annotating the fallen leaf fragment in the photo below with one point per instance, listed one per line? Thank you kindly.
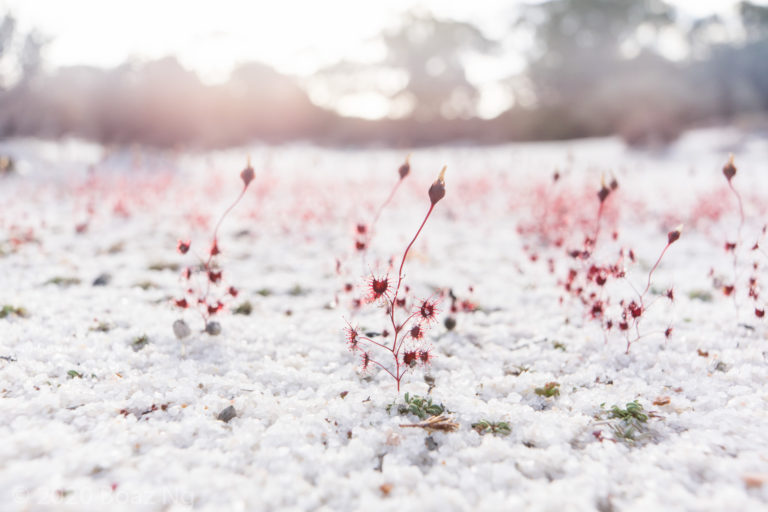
(434, 423)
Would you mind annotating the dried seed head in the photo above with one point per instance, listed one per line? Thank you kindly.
(405, 169)
(674, 235)
(247, 174)
(437, 190)
(352, 336)
(425, 356)
(183, 246)
(428, 311)
(410, 357)
(214, 277)
(604, 191)
(215, 308)
(378, 288)
(729, 170)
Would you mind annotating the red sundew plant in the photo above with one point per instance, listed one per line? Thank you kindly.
(737, 247)
(587, 280)
(558, 212)
(207, 292)
(407, 348)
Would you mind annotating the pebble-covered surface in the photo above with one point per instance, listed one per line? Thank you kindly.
(102, 406)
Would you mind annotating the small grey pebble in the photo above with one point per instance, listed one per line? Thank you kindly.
(213, 328)
(181, 329)
(431, 443)
(450, 323)
(227, 414)
(102, 280)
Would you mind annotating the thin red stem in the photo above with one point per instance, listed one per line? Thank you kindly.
(650, 274)
(386, 370)
(597, 226)
(369, 340)
(221, 219)
(383, 205)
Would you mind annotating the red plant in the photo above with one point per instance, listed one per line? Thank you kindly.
(387, 292)
(208, 270)
(736, 247)
(587, 279)
(365, 232)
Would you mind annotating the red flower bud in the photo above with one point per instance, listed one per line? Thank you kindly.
(247, 174)
(674, 235)
(437, 190)
(729, 170)
(405, 168)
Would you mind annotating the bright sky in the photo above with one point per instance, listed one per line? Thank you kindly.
(294, 36)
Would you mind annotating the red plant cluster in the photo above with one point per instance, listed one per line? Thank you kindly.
(407, 347)
(206, 291)
(737, 248)
(589, 278)
(556, 214)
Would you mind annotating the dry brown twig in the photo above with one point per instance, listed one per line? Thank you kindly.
(442, 423)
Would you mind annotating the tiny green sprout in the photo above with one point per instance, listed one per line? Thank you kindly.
(559, 345)
(246, 308)
(418, 406)
(139, 342)
(630, 425)
(632, 413)
(297, 291)
(160, 266)
(74, 374)
(264, 292)
(501, 428)
(702, 295)
(63, 281)
(101, 327)
(8, 310)
(518, 370)
(625, 432)
(550, 390)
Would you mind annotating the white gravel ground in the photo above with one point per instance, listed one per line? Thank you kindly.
(89, 423)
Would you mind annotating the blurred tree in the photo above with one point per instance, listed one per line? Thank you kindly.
(596, 69)
(429, 53)
(578, 42)
(7, 31)
(754, 18)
